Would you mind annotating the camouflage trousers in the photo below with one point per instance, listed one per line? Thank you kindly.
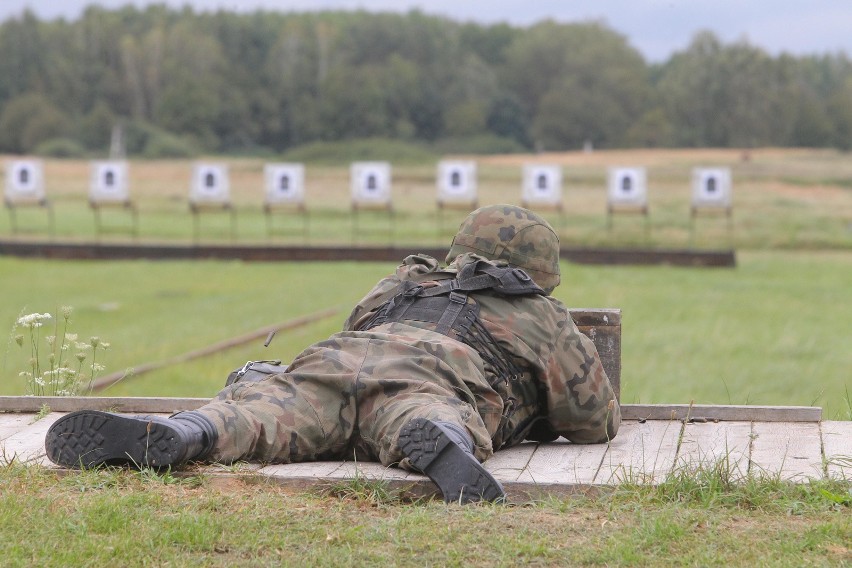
(350, 395)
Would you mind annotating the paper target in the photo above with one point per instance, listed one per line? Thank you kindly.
(210, 184)
(371, 182)
(456, 181)
(711, 187)
(627, 186)
(542, 184)
(24, 181)
(285, 183)
(109, 182)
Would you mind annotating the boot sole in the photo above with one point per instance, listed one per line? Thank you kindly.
(459, 476)
(89, 438)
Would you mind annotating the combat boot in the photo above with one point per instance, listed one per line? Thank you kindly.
(444, 452)
(89, 438)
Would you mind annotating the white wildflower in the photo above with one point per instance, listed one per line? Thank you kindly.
(33, 320)
(51, 339)
(81, 356)
(19, 339)
(25, 374)
(97, 367)
(39, 381)
(82, 346)
(66, 311)
(95, 341)
(104, 345)
(71, 337)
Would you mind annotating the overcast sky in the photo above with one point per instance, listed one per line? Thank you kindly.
(655, 27)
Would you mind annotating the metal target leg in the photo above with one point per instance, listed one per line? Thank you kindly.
(306, 226)
(13, 219)
(50, 222)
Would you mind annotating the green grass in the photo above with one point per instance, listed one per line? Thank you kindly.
(116, 517)
(774, 330)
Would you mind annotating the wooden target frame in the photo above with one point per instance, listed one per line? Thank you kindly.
(370, 185)
(542, 189)
(456, 182)
(210, 192)
(712, 197)
(25, 188)
(627, 194)
(285, 192)
(109, 185)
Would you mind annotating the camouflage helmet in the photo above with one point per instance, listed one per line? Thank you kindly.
(513, 234)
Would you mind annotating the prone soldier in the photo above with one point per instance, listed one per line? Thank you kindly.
(436, 368)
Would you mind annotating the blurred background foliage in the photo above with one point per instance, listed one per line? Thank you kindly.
(184, 83)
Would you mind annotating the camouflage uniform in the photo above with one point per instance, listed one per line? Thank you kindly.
(351, 394)
(400, 385)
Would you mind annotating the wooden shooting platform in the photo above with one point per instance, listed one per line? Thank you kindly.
(791, 443)
(655, 441)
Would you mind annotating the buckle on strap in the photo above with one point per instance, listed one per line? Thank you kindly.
(458, 297)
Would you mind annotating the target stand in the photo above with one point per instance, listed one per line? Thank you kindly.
(541, 189)
(627, 194)
(285, 193)
(711, 196)
(371, 191)
(25, 188)
(457, 189)
(108, 189)
(210, 193)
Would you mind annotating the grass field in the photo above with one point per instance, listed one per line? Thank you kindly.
(774, 330)
(113, 517)
(783, 198)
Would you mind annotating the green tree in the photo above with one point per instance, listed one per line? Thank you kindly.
(27, 121)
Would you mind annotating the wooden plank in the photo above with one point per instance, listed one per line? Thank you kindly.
(507, 465)
(27, 445)
(708, 412)
(596, 316)
(640, 453)
(12, 423)
(837, 449)
(790, 451)
(565, 463)
(607, 340)
(146, 405)
(300, 470)
(33, 404)
(373, 471)
(706, 445)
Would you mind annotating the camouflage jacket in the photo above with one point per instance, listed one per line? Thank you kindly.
(563, 390)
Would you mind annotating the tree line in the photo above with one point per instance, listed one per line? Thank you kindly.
(180, 81)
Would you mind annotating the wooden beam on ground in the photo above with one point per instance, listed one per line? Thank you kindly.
(113, 378)
(114, 251)
(700, 413)
(712, 412)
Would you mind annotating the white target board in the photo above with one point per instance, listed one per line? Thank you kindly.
(542, 184)
(371, 183)
(627, 187)
(24, 181)
(711, 187)
(109, 182)
(456, 181)
(285, 183)
(210, 184)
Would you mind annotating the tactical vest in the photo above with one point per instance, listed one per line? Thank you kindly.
(446, 303)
